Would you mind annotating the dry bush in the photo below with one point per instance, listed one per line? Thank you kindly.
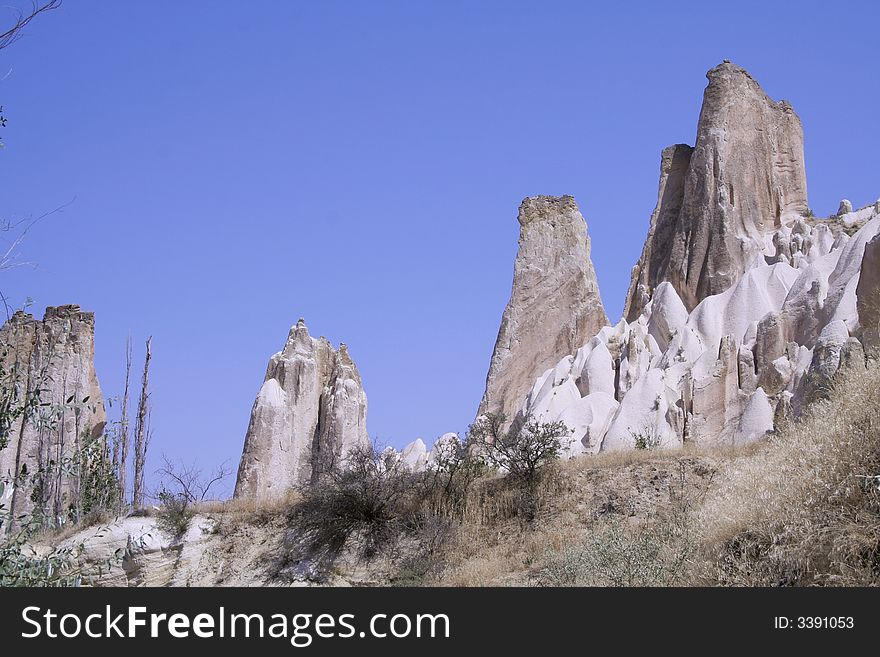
(805, 508)
(363, 508)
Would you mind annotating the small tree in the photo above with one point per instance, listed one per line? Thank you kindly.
(521, 451)
(183, 486)
(453, 468)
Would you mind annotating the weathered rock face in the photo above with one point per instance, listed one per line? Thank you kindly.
(743, 180)
(57, 357)
(742, 306)
(310, 412)
(868, 296)
(742, 360)
(653, 266)
(554, 306)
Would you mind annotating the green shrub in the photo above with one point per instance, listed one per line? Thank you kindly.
(521, 451)
(175, 514)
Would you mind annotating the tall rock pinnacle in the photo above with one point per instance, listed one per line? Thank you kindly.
(57, 357)
(554, 306)
(311, 410)
(743, 180)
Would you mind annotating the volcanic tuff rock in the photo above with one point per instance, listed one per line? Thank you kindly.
(554, 306)
(310, 412)
(743, 180)
(741, 309)
(57, 357)
(728, 370)
(743, 305)
(868, 295)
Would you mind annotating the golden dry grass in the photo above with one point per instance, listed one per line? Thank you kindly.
(800, 508)
(803, 509)
(493, 546)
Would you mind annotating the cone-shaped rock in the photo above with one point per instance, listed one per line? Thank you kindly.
(554, 306)
(311, 410)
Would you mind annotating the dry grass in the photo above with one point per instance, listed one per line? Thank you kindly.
(804, 509)
(230, 515)
(801, 508)
(577, 498)
(55, 536)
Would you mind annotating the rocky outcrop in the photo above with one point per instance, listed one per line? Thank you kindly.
(868, 296)
(55, 356)
(554, 306)
(742, 307)
(728, 371)
(311, 410)
(743, 180)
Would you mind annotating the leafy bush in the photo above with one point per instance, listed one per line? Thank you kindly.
(175, 514)
(646, 438)
(88, 468)
(521, 451)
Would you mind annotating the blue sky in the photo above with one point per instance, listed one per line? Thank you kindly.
(231, 167)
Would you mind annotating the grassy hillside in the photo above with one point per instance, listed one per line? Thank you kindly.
(799, 508)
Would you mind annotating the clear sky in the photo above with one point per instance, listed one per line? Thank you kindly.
(231, 167)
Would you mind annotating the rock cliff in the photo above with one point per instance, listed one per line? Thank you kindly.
(742, 306)
(54, 356)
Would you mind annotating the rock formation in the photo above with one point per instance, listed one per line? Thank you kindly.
(742, 307)
(56, 357)
(743, 180)
(868, 296)
(311, 410)
(554, 306)
(728, 370)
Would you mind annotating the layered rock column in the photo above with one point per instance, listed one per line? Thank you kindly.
(554, 306)
(57, 357)
(744, 179)
(311, 410)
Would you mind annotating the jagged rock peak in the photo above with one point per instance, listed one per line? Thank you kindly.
(743, 180)
(554, 305)
(57, 357)
(309, 413)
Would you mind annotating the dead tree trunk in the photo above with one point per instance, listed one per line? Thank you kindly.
(141, 434)
(120, 449)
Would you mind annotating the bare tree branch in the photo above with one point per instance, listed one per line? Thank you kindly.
(9, 257)
(188, 481)
(13, 34)
(120, 453)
